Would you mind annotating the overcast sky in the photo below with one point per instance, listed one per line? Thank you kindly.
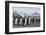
(27, 10)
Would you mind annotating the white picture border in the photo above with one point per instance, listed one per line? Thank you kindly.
(11, 29)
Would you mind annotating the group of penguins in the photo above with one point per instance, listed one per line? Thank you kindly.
(25, 21)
